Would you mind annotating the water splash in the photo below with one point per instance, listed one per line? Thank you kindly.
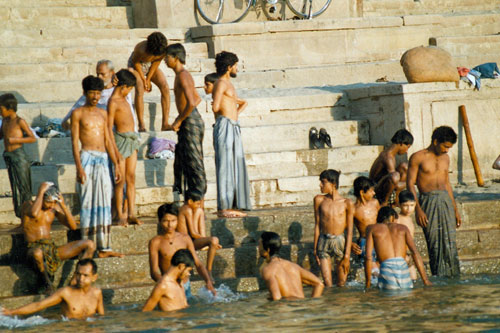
(224, 295)
(15, 322)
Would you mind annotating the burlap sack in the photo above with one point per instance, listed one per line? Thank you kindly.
(428, 64)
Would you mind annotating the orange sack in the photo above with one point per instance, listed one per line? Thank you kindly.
(428, 64)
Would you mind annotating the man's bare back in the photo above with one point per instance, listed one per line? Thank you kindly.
(173, 295)
(286, 276)
(381, 165)
(183, 89)
(123, 119)
(389, 240)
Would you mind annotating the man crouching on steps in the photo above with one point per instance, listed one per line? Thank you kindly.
(37, 217)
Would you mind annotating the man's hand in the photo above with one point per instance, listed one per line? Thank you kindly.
(44, 187)
(5, 312)
(81, 177)
(210, 287)
(118, 175)
(166, 127)
(316, 257)
(114, 80)
(422, 219)
(61, 199)
(147, 85)
(356, 249)
(345, 264)
(176, 125)
(458, 218)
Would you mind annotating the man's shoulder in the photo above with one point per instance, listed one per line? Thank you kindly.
(319, 198)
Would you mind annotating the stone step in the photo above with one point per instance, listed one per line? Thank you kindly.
(61, 3)
(66, 17)
(411, 7)
(470, 45)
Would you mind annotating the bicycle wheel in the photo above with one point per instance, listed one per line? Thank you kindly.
(223, 11)
(308, 8)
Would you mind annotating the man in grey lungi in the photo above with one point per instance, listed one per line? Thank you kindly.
(436, 210)
(233, 186)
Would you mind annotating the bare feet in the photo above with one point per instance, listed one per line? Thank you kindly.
(231, 213)
(122, 222)
(211, 277)
(109, 254)
(142, 129)
(134, 220)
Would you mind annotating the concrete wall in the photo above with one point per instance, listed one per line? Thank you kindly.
(422, 107)
(183, 13)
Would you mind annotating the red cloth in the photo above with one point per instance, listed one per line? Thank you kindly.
(462, 71)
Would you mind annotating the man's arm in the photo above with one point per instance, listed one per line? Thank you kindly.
(317, 202)
(100, 304)
(75, 137)
(242, 104)
(416, 257)
(187, 85)
(154, 298)
(312, 280)
(152, 70)
(449, 189)
(217, 94)
(64, 215)
(344, 264)
(110, 148)
(36, 207)
(272, 285)
(368, 257)
(29, 136)
(411, 180)
(110, 123)
(52, 300)
(191, 225)
(199, 266)
(154, 267)
(136, 61)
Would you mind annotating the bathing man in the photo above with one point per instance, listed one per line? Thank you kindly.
(37, 217)
(407, 205)
(188, 164)
(15, 132)
(284, 278)
(169, 293)
(390, 241)
(89, 127)
(436, 210)
(168, 241)
(79, 301)
(233, 185)
(390, 179)
(121, 127)
(333, 214)
(143, 63)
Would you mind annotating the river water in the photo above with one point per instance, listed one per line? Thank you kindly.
(470, 304)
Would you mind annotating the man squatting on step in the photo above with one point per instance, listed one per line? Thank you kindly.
(233, 185)
(436, 210)
(89, 127)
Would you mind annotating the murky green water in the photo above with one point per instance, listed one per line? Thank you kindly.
(469, 305)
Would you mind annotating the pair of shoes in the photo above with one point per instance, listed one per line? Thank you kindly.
(319, 140)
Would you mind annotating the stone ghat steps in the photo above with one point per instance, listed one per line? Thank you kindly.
(464, 45)
(411, 7)
(338, 41)
(18, 18)
(61, 3)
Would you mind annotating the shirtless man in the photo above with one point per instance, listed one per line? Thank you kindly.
(144, 63)
(192, 222)
(436, 210)
(283, 278)
(365, 212)
(169, 293)
(390, 241)
(189, 126)
(407, 205)
(15, 132)
(168, 241)
(390, 179)
(78, 302)
(127, 141)
(36, 221)
(233, 185)
(333, 214)
(89, 127)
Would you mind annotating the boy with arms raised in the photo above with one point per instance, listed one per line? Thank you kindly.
(390, 241)
(436, 210)
(169, 293)
(15, 132)
(188, 164)
(121, 125)
(192, 222)
(390, 179)
(333, 214)
(284, 278)
(144, 63)
(78, 301)
(36, 222)
(89, 126)
(407, 205)
(168, 241)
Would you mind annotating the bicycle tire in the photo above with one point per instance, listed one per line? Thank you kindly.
(215, 14)
(302, 13)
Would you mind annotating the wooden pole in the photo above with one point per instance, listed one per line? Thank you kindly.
(470, 144)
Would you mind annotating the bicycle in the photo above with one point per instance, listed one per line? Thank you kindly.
(230, 11)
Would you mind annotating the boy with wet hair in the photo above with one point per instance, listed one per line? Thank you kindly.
(284, 278)
(169, 293)
(168, 241)
(192, 222)
(333, 214)
(78, 301)
(37, 218)
(390, 179)
(365, 212)
(15, 132)
(144, 63)
(188, 164)
(89, 127)
(436, 210)
(121, 126)
(390, 241)
(407, 205)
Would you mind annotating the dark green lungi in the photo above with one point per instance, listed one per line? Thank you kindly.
(18, 167)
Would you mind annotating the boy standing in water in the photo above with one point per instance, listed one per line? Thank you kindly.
(333, 214)
(407, 205)
(15, 132)
(192, 222)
